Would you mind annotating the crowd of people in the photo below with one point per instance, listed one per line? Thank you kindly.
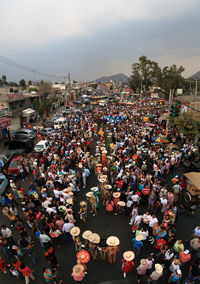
(136, 175)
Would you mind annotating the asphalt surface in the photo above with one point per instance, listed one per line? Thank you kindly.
(104, 225)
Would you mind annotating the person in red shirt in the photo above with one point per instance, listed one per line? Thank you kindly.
(26, 272)
(159, 247)
(127, 262)
(3, 265)
(185, 256)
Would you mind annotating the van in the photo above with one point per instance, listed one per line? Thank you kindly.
(41, 146)
(59, 122)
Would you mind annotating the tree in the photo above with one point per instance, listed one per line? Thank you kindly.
(22, 83)
(29, 82)
(188, 124)
(147, 73)
(44, 89)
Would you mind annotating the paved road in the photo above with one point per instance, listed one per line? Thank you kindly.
(98, 272)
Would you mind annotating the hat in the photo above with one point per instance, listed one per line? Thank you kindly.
(107, 186)
(86, 234)
(83, 203)
(78, 269)
(83, 256)
(69, 201)
(94, 189)
(158, 268)
(11, 180)
(179, 271)
(72, 176)
(70, 193)
(186, 251)
(116, 194)
(143, 261)
(139, 237)
(75, 231)
(129, 255)
(112, 241)
(104, 152)
(105, 169)
(102, 180)
(89, 194)
(121, 203)
(94, 238)
(43, 189)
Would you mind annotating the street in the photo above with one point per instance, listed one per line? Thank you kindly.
(104, 225)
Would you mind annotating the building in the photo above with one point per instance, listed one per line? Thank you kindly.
(16, 109)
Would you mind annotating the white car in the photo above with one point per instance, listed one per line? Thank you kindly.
(102, 103)
(41, 146)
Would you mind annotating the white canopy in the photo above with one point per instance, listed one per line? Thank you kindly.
(28, 112)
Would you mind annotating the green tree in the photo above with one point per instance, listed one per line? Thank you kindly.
(22, 83)
(29, 82)
(147, 73)
(188, 124)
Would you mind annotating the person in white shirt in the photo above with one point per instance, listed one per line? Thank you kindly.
(46, 202)
(44, 238)
(66, 230)
(152, 222)
(146, 219)
(7, 233)
(164, 203)
(56, 193)
(138, 220)
(144, 232)
(51, 209)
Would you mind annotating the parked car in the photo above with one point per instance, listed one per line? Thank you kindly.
(13, 168)
(26, 144)
(3, 183)
(47, 131)
(48, 124)
(41, 146)
(24, 133)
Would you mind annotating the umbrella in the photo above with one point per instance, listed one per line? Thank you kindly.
(160, 139)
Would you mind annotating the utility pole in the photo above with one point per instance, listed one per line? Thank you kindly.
(196, 87)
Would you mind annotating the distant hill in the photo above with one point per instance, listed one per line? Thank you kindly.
(117, 78)
(196, 75)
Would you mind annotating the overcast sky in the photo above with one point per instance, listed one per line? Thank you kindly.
(93, 38)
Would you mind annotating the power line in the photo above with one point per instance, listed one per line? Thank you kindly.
(25, 68)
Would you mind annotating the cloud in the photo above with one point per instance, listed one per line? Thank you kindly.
(28, 23)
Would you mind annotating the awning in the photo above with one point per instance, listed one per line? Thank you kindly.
(28, 112)
(4, 123)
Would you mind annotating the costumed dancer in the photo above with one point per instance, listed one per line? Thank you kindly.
(83, 257)
(112, 249)
(116, 196)
(85, 237)
(92, 200)
(75, 232)
(83, 211)
(127, 262)
(96, 192)
(102, 249)
(94, 240)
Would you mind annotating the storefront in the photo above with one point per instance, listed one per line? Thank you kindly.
(4, 124)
